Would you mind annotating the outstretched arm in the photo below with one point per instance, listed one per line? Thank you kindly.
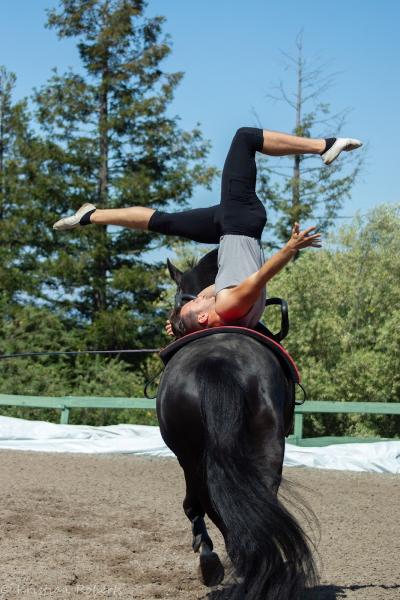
(233, 303)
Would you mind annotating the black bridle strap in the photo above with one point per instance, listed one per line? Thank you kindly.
(303, 389)
(150, 382)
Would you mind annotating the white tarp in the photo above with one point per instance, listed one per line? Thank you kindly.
(20, 434)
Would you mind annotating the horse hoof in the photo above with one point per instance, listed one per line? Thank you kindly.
(211, 571)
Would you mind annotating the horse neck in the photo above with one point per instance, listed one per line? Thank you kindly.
(202, 275)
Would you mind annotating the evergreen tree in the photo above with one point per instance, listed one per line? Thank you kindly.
(301, 188)
(17, 146)
(108, 139)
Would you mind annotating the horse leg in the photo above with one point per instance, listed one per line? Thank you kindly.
(273, 454)
(210, 571)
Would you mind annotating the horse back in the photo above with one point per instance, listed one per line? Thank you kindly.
(223, 361)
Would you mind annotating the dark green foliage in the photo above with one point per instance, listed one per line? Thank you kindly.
(102, 135)
(345, 322)
(39, 329)
(18, 168)
(110, 141)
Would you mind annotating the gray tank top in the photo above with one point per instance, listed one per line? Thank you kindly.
(238, 257)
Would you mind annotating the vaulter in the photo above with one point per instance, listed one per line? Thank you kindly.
(238, 295)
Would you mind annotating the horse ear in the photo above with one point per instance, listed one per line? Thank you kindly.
(175, 273)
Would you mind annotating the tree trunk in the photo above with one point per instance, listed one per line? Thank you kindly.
(1, 145)
(103, 141)
(296, 181)
(101, 256)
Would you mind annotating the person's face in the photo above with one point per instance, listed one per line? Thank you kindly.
(200, 306)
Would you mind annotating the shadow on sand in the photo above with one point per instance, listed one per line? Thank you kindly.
(321, 592)
(335, 592)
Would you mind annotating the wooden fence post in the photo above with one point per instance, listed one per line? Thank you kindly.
(298, 427)
(64, 415)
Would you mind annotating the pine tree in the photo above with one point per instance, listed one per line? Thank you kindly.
(301, 188)
(110, 140)
(17, 150)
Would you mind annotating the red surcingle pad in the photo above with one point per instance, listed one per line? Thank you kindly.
(283, 355)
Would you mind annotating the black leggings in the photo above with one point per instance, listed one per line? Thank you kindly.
(240, 212)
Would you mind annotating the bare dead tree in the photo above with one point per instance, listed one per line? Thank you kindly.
(301, 188)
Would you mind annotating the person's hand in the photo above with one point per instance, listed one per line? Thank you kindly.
(168, 328)
(303, 239)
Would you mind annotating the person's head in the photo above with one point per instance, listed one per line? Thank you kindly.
(193, 316)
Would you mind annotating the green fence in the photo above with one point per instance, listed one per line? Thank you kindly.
(365, 408)
(66, 403)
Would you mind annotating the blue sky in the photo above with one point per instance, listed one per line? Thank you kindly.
(230, 53)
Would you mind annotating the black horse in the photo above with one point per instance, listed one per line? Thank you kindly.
(225, 405)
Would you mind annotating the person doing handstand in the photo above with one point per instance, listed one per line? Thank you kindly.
(238, 295)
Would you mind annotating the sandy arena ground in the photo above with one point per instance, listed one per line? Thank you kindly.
(112, 527)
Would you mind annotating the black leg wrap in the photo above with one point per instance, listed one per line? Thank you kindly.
(85, 220)
(328, 144)
(200, 534)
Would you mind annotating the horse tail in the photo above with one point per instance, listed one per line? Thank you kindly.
(267, 547)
